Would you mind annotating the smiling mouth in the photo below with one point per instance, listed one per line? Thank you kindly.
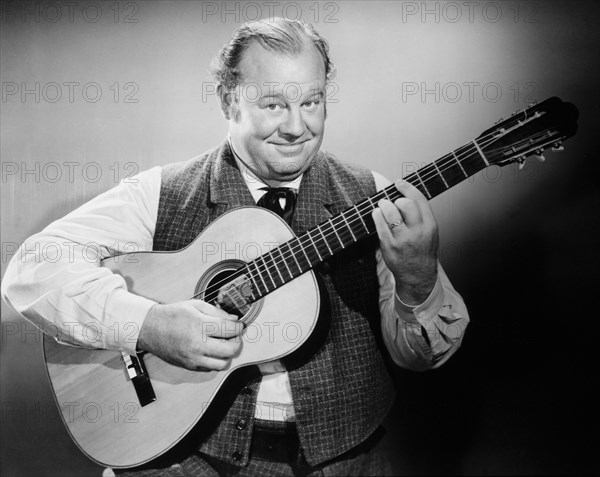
(287, 144)
(288, 148)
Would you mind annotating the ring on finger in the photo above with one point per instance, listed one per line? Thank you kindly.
(395, 224)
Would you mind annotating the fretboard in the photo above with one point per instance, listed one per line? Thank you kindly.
(295, 257)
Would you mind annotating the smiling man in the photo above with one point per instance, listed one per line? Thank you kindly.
(318, 411)
(277, 111)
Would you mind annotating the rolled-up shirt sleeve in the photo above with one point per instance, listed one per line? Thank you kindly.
(55, 279)
(420, 337)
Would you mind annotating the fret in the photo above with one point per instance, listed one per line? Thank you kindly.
(254, 284)
(268, 272)
(336, 234)
(314, 246)
(440, 174)
(285, 262)
(325, 239)
(460, 165)
(276, 267)
(470, 160)
(260, 275)
(361, 219)
(481, 153)
(348, 225)
(294, 255)
(309, 263)
(429, 196)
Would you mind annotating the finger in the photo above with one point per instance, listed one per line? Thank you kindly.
(383, 228)
(212, 310)
(410, 191)
(207, 363)
(220, 348)
(410, 211)
(390, 212)
(221, 327)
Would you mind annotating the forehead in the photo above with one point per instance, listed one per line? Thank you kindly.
(260, 65)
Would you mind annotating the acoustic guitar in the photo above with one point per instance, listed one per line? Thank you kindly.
(125, 410)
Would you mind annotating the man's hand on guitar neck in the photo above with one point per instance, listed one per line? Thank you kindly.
(192, 334)
(408, 237)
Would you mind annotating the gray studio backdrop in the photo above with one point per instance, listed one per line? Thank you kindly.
(93, 92)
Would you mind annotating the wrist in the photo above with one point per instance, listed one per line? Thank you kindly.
(413, 291)
(148, 331)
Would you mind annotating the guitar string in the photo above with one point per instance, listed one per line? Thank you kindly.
(300, 246)
(315, 241)
(321, 239)
(301, 241)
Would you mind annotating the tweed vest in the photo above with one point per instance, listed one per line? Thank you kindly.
(339, 383)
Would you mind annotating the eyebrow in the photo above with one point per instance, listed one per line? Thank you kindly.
(310, 94)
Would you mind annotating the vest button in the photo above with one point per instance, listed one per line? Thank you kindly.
(236, 455)
(241, 424)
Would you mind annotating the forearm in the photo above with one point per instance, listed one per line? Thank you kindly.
(425, 336)
(55, 279)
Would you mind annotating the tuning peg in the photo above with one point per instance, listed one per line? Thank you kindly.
(557, 146)
(532, 104)
(499, 121)
(539, 155)
(521, 161)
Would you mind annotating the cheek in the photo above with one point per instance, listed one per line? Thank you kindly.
(261, 126)
(316, 125)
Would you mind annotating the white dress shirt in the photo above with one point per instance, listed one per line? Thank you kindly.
(55, 281)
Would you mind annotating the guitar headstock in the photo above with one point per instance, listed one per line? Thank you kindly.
(529, 132)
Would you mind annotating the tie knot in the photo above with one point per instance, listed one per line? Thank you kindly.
(270, 200)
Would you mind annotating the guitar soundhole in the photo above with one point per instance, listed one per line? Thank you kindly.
(207, 288)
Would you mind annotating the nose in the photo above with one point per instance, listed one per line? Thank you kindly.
(293, 126)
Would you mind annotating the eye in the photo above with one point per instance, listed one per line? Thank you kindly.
(313, 103)
(274, 106)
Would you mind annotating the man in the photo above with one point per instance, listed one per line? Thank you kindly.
(319, 410)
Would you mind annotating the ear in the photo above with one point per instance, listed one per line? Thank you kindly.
(226, 100)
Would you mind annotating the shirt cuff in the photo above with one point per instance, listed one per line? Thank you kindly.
(126, 324)
(426, 311)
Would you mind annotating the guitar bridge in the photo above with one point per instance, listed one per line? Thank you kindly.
(136, 370)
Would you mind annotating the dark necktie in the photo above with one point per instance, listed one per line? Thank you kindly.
(270, 201)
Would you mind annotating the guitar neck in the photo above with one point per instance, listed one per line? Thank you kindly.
(295, 257)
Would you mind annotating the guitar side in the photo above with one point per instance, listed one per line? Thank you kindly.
(98, 403)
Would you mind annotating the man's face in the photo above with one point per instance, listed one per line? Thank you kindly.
(279, 126)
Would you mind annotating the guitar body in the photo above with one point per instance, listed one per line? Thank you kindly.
(98, 402)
